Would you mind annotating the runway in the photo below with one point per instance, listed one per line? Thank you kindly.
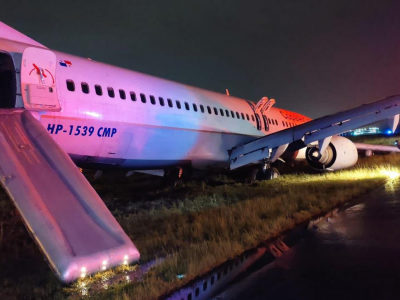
(355, 255)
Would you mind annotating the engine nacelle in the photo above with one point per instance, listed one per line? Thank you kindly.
(340, 154)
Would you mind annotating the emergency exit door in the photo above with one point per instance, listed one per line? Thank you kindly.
(38, 83)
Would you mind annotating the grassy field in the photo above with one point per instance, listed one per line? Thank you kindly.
(197, 226)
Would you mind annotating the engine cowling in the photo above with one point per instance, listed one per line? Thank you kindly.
(340, 154)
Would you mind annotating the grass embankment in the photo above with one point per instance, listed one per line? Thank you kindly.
(197, 226)
(204, 231)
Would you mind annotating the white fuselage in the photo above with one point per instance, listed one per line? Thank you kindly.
(99, 130)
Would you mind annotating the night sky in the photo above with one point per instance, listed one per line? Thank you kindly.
(314, 57)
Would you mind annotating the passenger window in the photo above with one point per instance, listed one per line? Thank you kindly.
(190, 296)
(221, 111)
(227, 112)
(215, 111)
(85, 88)
(269, 121)
(143, 98)
(232, 114)
(111, 93)
(170, 104)
(212, 280)
(237, 115)
(194, 107)
(133, 96)
(187, 106)
(209, 110)
(283, 123)
(122, 94)
(178, 104)
(242, 116)
(197, 292)
(161, 100)
(247, 117)
(204, 285)
(152, 100)
(202, 108)
(98, 90)
(219, 276)
(70, 85)
(252, 118)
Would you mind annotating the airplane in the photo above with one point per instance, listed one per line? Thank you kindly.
(59, 111)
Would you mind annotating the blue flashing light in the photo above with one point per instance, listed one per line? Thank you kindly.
(389, 132)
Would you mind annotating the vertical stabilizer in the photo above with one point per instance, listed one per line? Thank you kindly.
(8, 33)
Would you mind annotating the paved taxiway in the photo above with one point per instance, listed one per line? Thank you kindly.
(355, 255)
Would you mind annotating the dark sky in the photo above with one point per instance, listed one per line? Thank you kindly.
(314, 57)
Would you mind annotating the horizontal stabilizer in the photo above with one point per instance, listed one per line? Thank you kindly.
(68, 220)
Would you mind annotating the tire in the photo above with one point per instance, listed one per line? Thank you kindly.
(268, 174)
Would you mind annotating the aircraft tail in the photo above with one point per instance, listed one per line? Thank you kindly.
(9, 33)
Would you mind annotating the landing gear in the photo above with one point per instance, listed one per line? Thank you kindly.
(173, 177)
(265, 172)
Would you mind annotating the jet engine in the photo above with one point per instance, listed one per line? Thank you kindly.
(341, 153)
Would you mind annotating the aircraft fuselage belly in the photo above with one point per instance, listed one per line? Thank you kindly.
(137, 146)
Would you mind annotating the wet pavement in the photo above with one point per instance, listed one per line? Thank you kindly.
(355, 255)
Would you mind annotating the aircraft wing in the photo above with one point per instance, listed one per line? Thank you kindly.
(377, 148)
(272, 146)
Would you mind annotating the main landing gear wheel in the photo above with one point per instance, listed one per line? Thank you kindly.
(173, 177)
(263, 174)
(267, 174)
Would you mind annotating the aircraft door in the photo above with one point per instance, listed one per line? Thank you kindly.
(38, 84)
(7, 81)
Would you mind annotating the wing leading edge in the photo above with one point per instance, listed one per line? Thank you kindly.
(320, 130)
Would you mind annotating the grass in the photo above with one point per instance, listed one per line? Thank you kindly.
(196, 227)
